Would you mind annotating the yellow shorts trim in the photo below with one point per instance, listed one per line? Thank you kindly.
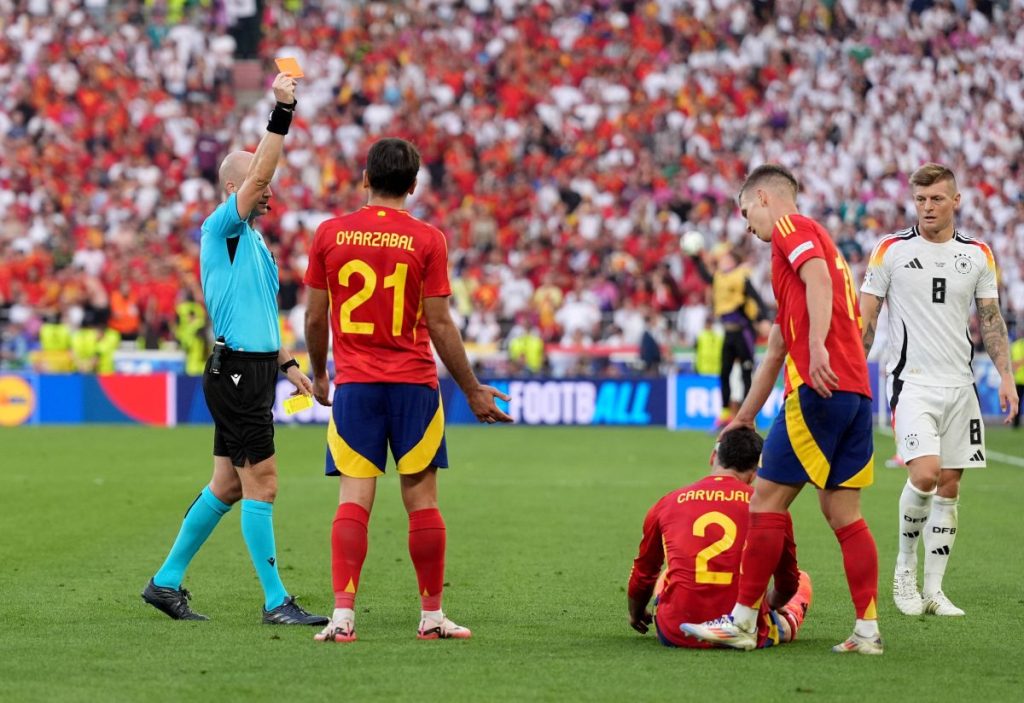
(863, 478)
(804, 445)
(419, 457)
(346, 459)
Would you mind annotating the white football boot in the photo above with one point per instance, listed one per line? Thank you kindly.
(904, 592)
(939, 604)
(443, 629)
(855, 644)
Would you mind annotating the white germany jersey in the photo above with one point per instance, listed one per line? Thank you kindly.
(929, 289)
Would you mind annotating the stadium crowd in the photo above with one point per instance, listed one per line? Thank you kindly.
(566, 147)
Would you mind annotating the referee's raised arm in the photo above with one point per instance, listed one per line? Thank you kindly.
(264, 161)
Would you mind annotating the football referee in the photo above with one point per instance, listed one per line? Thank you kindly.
(240, 283)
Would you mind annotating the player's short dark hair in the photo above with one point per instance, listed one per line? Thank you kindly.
(391, 166)
(932, 173)
(740, 449)
(776, 174)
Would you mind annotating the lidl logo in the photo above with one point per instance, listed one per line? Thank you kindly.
(17, 401)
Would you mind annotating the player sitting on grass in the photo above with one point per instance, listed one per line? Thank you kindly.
(699, 530)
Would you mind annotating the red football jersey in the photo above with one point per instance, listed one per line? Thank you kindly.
(378, 264)
(699, 531)
(795, 240)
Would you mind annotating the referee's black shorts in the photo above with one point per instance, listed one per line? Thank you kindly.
(241, 401)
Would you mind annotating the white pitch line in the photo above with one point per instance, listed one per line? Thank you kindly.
(1006, 459)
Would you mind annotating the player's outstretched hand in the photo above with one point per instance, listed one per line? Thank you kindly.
(284, 88)
(481, 402)
(301, 382)
(823, 379)
(1009, 402)
(322, 390)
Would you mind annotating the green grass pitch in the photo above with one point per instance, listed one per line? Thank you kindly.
(542, 527)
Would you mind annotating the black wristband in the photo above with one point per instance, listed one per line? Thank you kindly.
(281, 118)
(288, 364)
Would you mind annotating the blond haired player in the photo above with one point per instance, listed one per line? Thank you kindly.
(929, 275)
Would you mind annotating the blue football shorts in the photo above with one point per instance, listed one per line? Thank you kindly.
(824, 441)
(367, 418)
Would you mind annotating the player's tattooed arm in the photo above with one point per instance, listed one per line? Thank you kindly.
(870, 305)
(993, 334)
(997, 344)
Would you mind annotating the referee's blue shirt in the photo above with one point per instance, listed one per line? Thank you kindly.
(240, 281)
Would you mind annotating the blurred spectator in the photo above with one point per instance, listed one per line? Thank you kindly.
(191, 337)
(124, 311)
(650, 345)
(483, 328)
(526, 352)
(707, 359)
(14, 347)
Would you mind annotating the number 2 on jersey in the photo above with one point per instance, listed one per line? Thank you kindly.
(728, 538)
(396, 280)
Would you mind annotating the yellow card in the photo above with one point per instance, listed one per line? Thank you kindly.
(297, 403)
(289, 65)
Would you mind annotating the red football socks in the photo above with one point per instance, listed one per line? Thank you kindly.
(426, 547)
(765, 541)
(348, 552)
(860, 559)
(787, 573)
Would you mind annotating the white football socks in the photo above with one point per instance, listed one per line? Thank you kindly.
(915, 505)
(744, 617)
(939, 536)
(867, 629)
(342, 614)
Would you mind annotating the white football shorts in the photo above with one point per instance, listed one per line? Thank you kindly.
(935, 421)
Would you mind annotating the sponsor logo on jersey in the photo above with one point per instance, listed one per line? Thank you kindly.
(914, 264)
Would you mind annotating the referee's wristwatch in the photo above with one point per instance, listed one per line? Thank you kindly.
(288, 364)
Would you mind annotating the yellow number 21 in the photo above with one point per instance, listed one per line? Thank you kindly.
(396, 281)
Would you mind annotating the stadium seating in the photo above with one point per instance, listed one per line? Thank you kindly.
(566, 146)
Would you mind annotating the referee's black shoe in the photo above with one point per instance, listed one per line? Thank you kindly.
(290, 613)
(172, 601)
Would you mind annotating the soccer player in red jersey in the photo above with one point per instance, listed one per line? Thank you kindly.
(380, 277)
(823, 435)
(699, 530)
